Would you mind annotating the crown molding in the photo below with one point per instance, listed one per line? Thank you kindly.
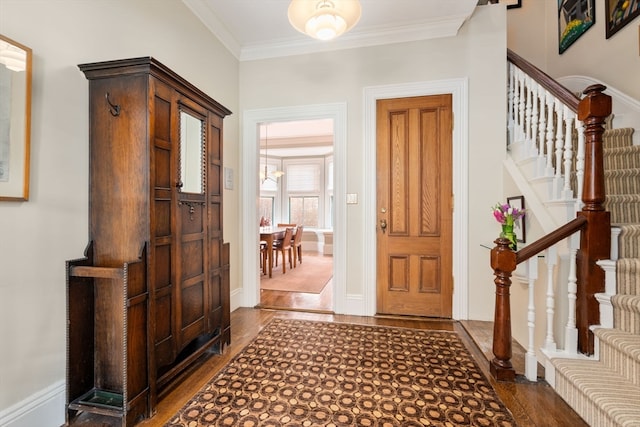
(381, 35)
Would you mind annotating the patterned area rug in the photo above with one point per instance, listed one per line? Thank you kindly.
(308, 373)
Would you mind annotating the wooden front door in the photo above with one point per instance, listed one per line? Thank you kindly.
(414, 206)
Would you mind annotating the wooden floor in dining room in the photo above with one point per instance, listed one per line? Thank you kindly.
(322, 302)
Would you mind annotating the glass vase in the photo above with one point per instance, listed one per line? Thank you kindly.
(509, 234)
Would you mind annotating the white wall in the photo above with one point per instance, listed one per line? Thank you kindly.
(533, 34)
(478, 52)
(39, 235)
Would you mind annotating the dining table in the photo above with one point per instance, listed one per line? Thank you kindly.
(269, 234)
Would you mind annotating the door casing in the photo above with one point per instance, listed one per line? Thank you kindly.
(458, 88)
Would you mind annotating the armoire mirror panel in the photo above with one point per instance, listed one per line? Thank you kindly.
(15, 119)
(191, 153)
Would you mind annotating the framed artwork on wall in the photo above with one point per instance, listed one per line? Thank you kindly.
(620, 13)
(15, 120)
(518, 202)
(574, 19)
(511, 4)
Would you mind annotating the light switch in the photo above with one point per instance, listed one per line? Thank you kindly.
(352, 198)
(228, 178)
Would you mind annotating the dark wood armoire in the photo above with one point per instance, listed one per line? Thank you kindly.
(151, 295)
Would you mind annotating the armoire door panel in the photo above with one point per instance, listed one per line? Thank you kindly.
(215, 255)
(192, 259)
(215, 223)
(215, 182)
(137, 360)
(162, 218)
(215, 146)
(192, 303)
(162, 175)
(192, 217)
(163, 276)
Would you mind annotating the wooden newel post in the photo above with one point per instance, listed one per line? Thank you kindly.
(503, 262)
(595, 239)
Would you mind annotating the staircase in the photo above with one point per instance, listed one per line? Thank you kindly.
(547, 163)
(605, 390)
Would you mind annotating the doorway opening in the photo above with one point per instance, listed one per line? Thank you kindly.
(296, 164)
(249, 294)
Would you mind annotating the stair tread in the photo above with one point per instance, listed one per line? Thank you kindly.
(610, 391)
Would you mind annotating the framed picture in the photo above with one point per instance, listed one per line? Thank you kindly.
(15, 120)
(620, 13)
(575, 17)
(511, 4)
(520, 227)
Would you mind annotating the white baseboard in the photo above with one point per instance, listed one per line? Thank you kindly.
(236, 298)
(44, 409)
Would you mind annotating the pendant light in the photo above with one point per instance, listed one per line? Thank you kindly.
(324, 19)
(265, 175)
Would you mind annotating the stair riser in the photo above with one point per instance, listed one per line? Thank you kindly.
(621, 363)
(626, 320)
(621, 159)
(588, 410)
(614, 184)
(628, 269)
(623, 211)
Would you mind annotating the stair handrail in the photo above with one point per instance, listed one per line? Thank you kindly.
(567, 97)
(593, 221)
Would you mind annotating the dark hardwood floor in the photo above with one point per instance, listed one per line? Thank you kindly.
(532, 404)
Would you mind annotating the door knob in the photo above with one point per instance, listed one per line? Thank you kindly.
(383, 225)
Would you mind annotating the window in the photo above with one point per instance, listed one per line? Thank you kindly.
(304, 210)
(303, 195)
(305, 191)
(269, 191)
(265, 207)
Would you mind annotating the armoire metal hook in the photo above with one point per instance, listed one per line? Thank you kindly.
(114, 109)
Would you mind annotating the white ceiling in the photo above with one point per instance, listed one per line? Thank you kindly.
(258, 29)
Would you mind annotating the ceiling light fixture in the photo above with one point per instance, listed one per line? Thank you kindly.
(274, 175)
(324, 19)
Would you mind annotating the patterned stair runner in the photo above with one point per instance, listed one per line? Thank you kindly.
(606, 392)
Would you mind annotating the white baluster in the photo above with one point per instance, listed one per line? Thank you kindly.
(531, 362)
(534, 118)
(549, 152)
(551, 258)
(522, 104)
(527, 110)
(542, 96)
(559, 144)
(570, 330)
(511, 71)
(568, 153)
(516, 104)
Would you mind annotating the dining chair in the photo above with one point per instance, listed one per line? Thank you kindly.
(284, 246)
(263, 256)
(283, 225)
(297, 246)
